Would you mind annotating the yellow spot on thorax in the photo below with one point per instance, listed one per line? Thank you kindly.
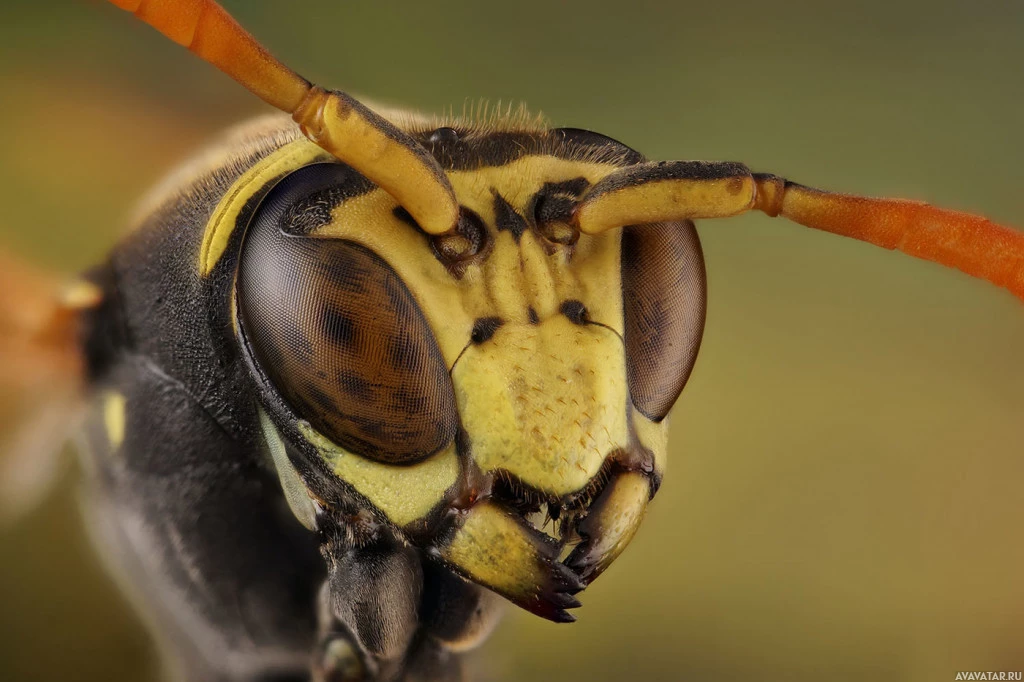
(114, 418)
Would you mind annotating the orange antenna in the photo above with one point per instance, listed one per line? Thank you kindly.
(678, 190)
(969, 243)
(335, 121)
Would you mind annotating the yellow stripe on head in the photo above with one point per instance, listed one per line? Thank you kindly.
(224, 220)
(405, 494)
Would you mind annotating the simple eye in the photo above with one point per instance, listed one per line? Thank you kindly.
(336, 330)
(665, 297)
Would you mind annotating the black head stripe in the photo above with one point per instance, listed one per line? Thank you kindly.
(506, 218)
(470, 149)
(459, 151)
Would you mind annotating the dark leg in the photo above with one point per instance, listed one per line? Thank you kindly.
(369, 605)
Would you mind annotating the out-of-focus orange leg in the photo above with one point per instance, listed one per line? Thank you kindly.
(39, 334)
(331, 119)
(970, 243)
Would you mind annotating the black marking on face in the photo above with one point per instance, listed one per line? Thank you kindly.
(664, 302)
(471, 226)
(459, 149)
(554, 209)
(484, 328)
(532, 315)
(497, 149)
(573, 188)
(325, 187)
(575, 311)
(506, 218)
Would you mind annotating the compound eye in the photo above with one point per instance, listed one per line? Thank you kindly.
(598, 145)
(665, 299)
(335, 329)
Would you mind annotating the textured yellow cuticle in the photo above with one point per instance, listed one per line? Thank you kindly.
(403, 493)
(653, 436)
(545, 403)
(494, 550)
(618, 516)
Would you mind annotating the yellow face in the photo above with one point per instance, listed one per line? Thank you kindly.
(541, 397)
(474, 399)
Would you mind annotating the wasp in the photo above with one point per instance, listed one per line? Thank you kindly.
(358, 377)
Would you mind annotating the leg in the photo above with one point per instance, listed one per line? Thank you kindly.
(457, 614)
(385, 615)
(369, 606)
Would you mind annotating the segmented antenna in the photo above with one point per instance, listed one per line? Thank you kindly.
(682, 190)
(335, 121)
(969, 243)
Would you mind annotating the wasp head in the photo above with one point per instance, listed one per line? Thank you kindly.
(496, 394)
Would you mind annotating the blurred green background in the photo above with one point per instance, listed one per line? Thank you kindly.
(844, 499)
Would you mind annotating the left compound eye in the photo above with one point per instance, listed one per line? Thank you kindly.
(338, 333)
(664, 296)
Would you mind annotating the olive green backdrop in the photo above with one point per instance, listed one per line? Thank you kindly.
(843, 500)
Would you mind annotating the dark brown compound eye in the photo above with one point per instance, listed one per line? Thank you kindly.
(338, 333)
(665, 299)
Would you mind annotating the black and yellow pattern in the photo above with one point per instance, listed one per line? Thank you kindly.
(432, 396)
(441, 354)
